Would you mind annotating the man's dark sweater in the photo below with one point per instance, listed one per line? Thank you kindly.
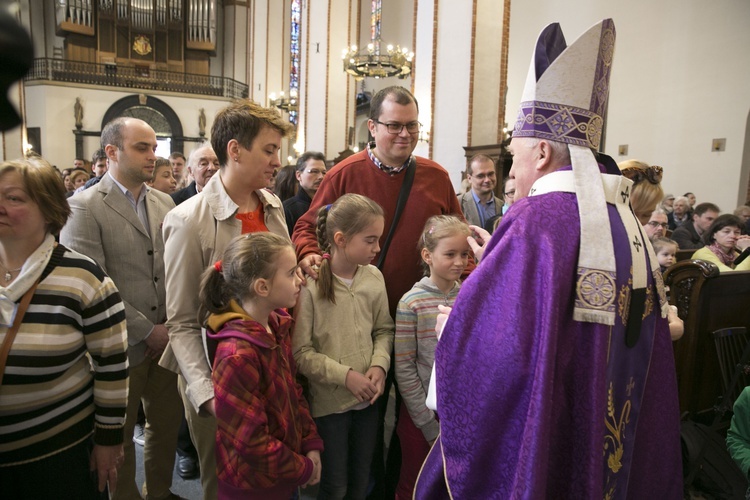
(295, 207)
(687, 237)
(184, 194)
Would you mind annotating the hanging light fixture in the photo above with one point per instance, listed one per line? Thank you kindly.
(288, 104)
(372, 62)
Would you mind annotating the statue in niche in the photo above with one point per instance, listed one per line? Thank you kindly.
(202, 123)
(78, 113)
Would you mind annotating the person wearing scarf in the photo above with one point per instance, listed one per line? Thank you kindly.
(64, 382)
(724, 242)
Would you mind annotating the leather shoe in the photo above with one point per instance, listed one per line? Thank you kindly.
(187, 467)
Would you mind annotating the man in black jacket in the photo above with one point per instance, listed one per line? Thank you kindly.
(311, 168)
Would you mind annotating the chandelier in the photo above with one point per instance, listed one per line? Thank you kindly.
(372, 62)
(288, 104)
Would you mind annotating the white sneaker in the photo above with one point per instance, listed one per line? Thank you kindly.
(138, 435)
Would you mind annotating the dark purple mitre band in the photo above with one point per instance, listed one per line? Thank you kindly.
(557, 122)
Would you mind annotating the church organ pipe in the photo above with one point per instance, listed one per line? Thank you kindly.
(77, 12)
(202, 20)
(161, 12)
(176, 9)
(122, 9)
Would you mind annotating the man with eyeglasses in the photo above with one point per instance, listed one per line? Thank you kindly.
(378, 172)
(311, 168)
(656, 227)
(480, 204)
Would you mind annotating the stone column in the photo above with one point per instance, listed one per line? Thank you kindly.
(457, 77)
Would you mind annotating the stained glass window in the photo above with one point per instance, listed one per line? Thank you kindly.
(375, 21)
(294, 63)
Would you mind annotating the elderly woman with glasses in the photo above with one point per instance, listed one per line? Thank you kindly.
(64, 382)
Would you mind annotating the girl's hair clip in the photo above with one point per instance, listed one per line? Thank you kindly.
(218, 266)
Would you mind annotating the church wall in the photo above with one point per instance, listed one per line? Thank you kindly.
(486, 82)
(679, 80)
(13, 140)
(336, 122)
(258, 90)
(278, 30)
(316, 77)
(422, 69)
(52, 111)
(451, 88)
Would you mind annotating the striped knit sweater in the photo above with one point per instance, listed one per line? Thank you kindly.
(414, 349)
(66, 376)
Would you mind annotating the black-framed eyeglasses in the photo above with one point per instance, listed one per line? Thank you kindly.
(510, 194)
(655, 224)
(396, 128)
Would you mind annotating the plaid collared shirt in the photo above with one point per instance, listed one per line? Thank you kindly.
(382, 166)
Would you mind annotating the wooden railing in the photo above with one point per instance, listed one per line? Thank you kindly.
(111, 75)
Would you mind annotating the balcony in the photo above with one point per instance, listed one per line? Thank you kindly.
(129, 77)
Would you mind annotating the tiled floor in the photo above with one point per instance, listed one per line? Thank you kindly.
(191, 489)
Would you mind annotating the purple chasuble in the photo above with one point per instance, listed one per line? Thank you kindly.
(533, 404)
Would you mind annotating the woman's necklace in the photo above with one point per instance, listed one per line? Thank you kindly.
(9, 272)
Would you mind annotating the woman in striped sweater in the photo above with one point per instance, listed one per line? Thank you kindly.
(65, 377)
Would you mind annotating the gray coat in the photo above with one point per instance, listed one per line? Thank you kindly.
(105, 227)
(469, 208)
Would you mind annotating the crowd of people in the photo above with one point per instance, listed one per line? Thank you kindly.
(525, 332)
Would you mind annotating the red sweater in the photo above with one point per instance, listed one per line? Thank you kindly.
(431, 194)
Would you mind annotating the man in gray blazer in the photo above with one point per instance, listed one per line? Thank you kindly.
(118, 224)
(480, 204)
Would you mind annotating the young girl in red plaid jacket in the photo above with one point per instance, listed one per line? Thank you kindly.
(266, 443)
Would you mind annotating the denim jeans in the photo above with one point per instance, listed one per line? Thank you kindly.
(349, 439)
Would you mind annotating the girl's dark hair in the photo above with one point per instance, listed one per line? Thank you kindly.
(722, 221)
(246, 259)
(350, 215)
(286, 183)
(435, 229)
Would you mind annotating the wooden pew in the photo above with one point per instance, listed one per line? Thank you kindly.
(706, 301)
(684, 255)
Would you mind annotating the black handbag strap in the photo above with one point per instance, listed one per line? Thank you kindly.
(402, 196)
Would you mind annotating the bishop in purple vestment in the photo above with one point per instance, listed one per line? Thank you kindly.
(554, 374)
